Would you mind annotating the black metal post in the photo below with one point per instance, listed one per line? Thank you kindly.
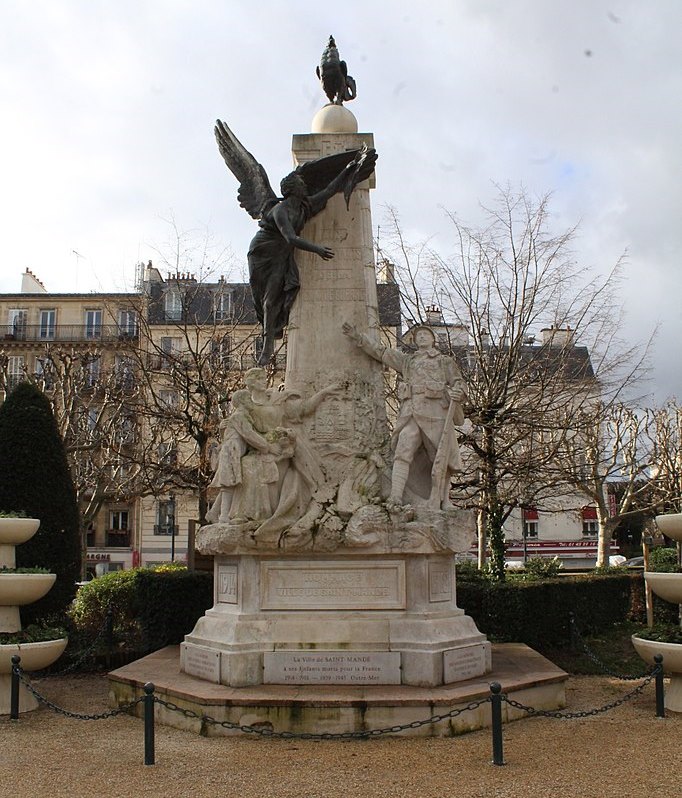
(149, 723)
(573, 632)
(660, 698)
(14, 689)
(109, 635)
(496, 712)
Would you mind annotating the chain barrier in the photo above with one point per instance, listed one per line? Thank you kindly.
(104, 631)
(546, 713)
(264, 731)
(110, 713)
(603, 667)
(150, 699)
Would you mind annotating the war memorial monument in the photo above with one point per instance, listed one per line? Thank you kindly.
(333, 538)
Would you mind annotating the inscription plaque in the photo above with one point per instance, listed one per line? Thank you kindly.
(440, 582)
(227, 584)
(201, 662)
(333, 584)
(463, 663)
(332, 667)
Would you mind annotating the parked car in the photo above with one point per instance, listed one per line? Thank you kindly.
(635, 562)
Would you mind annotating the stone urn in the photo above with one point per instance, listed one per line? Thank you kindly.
(668, 587)
(16, 590)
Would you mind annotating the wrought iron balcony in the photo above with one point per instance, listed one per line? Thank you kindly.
(166, 529)
(118, 538)
(61, 333)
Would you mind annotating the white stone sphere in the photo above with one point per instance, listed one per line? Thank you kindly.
(334, 119)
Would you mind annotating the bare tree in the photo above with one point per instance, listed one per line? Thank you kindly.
(626, 460)
(509, 283)
(94, 402)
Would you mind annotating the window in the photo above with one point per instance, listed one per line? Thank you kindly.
(91, 368)
(221, 352)
(170, 347)
(165, 518)
(124, 368)
(167, 453)
(223, 305)
(15, 371)
(16, 323)
(44, 372)
(531, 522)
(590, 522)
(168, 399)
(125, 430)
(48, 319)
(127, 323)
(93, 323)
(172, 305)
(118, 520)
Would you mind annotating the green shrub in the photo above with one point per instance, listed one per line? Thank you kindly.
(35, 481)
(151, 607)
(663, 559)
(538, 568)
(115, 590)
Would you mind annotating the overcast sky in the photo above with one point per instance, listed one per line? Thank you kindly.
(108, 110)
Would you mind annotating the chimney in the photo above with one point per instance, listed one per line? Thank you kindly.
(433, 315)
(557, 336)
(30, 284)
(386, 271)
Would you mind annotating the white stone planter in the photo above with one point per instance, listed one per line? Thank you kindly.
(13, 532)
(34, 657)
(669, 588)
(672, 664)
(17, 590)
(670, 525)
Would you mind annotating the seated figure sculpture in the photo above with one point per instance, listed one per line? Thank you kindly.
(425, 449)
(267, 472)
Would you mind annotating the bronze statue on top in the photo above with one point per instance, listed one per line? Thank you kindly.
(332, 73)
(273, 273)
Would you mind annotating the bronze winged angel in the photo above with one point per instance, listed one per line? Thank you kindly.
(273, 273)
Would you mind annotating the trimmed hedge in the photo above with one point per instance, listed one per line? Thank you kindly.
(151, 608)
(170, 603)
(538, 613)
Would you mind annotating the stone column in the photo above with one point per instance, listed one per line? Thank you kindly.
(342, 289)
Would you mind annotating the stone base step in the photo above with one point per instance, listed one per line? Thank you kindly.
(525, 676)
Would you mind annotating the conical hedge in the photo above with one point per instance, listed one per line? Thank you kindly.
(35, 480)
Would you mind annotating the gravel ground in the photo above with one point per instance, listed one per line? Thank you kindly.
(624, 752)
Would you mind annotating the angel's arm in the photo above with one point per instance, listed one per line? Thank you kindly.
(280, 215)
(319, 200)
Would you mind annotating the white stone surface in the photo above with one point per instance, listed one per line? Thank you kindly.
(341, 584)
(201, 661)
(670, 525)
(667, 586)
(463, 663)
(227, 586)
(334, 119)
(331, 667)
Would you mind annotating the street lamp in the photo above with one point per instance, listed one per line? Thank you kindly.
(171, 518)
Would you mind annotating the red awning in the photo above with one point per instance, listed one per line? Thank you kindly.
(589, 513)
(530, 514)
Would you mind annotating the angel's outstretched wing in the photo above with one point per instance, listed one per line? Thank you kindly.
(255, 192)
(318, 174)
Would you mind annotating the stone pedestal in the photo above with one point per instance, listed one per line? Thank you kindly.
(379, 619)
